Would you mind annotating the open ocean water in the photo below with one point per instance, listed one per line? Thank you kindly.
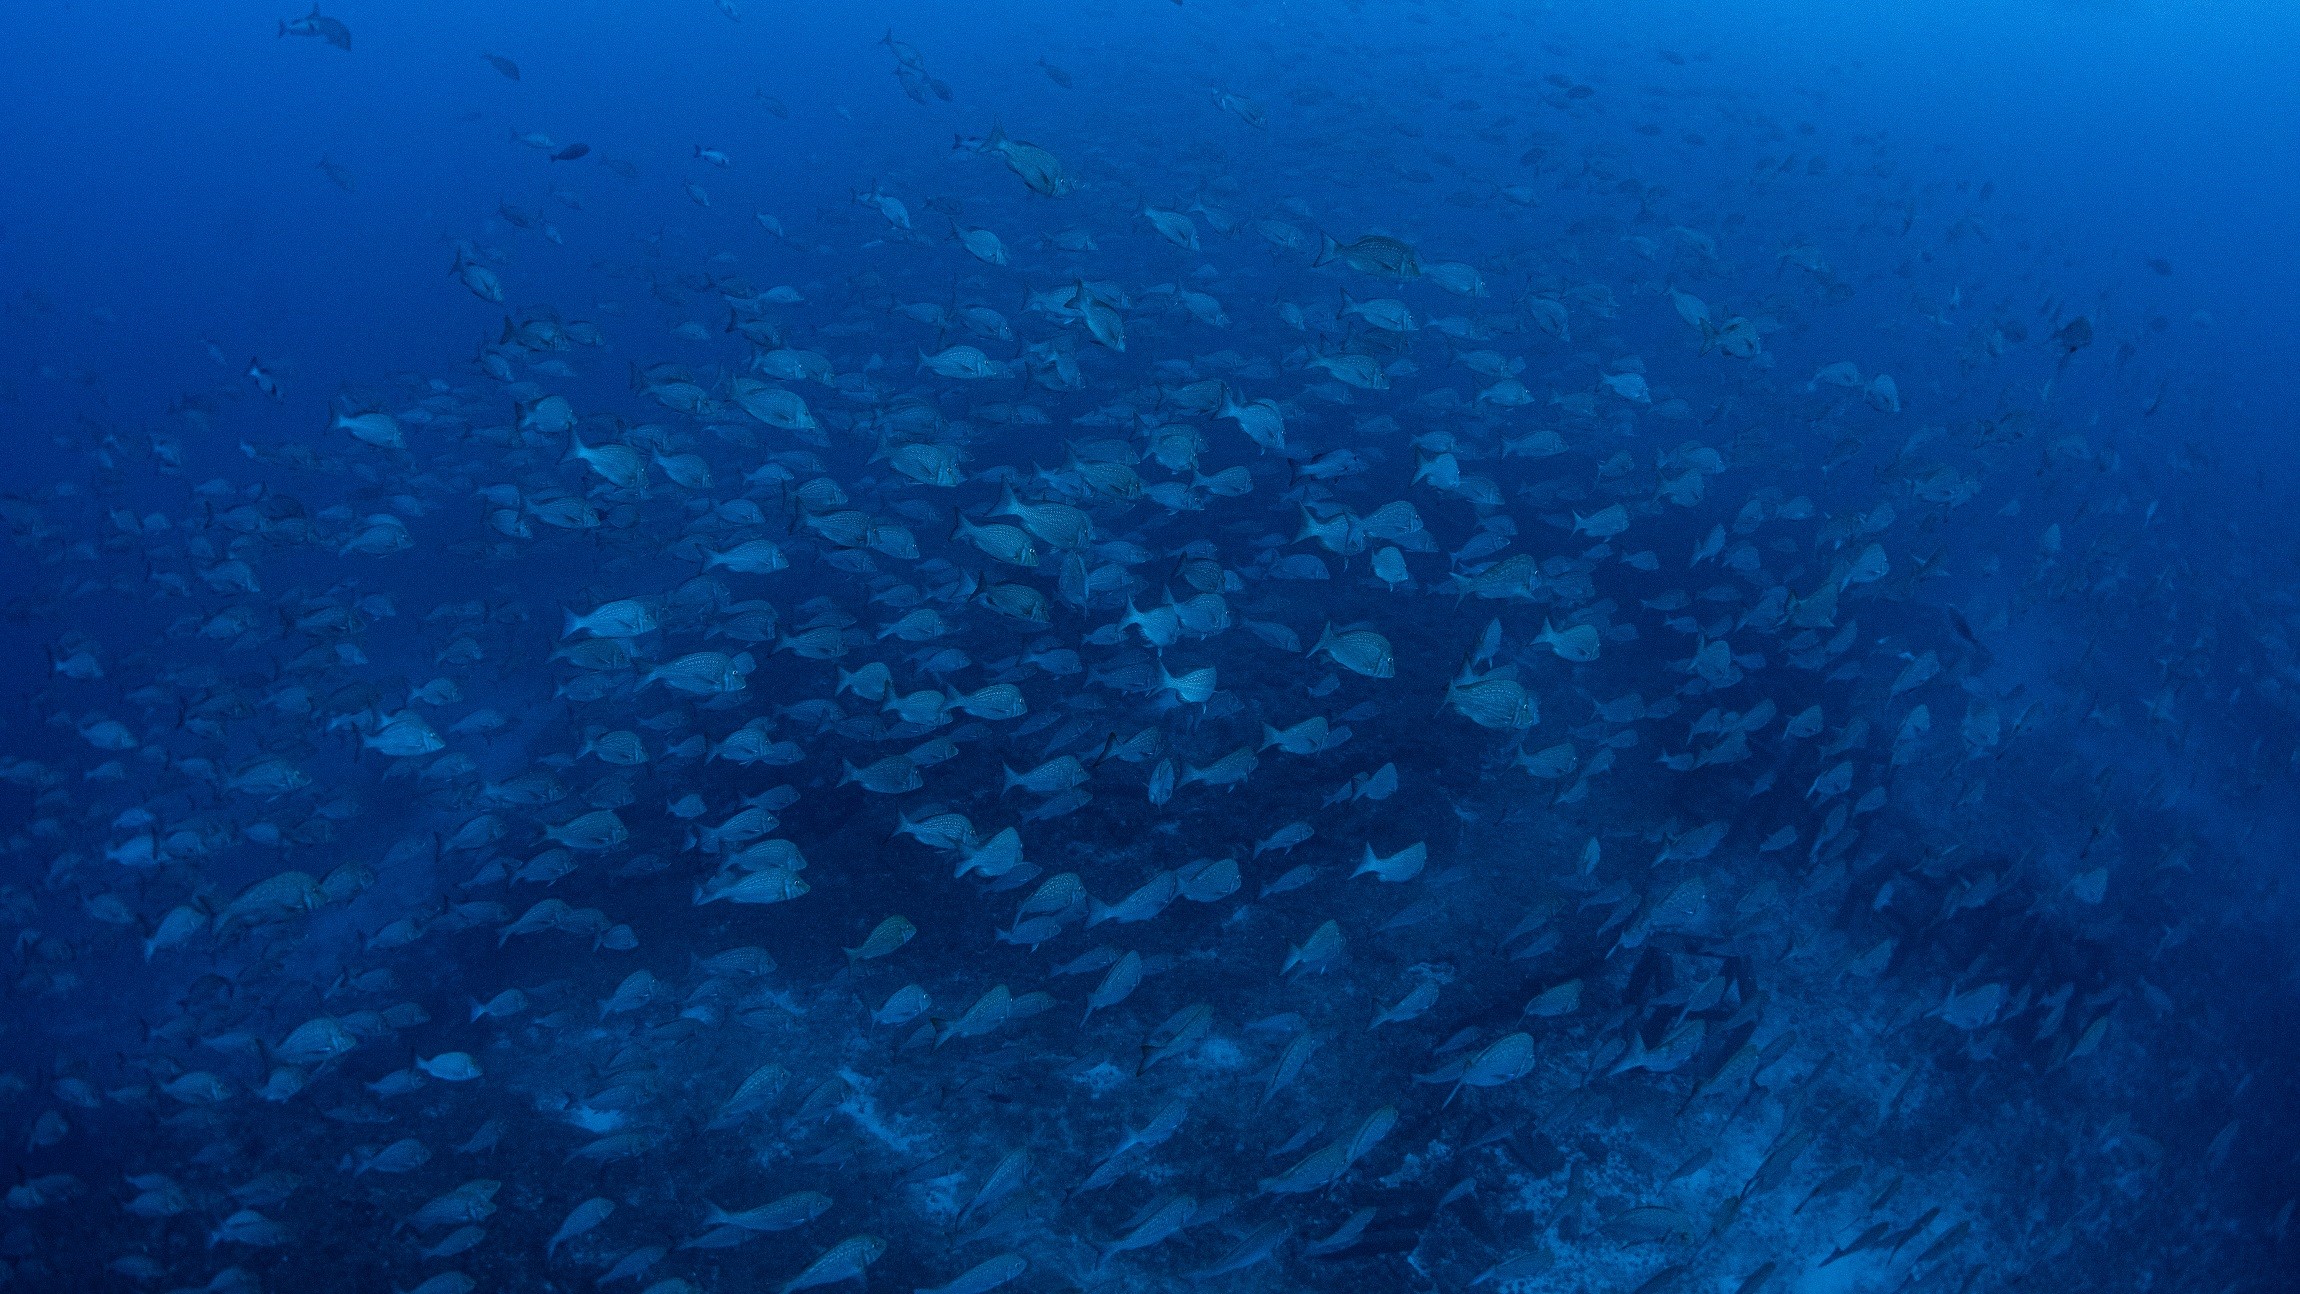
(704, 647)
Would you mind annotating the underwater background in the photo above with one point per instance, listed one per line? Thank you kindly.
(1388, 645)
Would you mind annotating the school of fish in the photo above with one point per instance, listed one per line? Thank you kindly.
(1324, 684)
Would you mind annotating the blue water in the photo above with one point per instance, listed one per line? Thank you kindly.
(1841, 681)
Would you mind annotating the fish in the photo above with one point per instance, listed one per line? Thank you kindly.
(888, 936)
(1578, 643)
(1286, 837)
(989, 1274)
(1403, 865)
(1123, 977)
(849, 1259)
(1416, 1002)
(1504, 1060)
(582, 1218)
(1173, 226)
(1257, 1246)
(1374, 254)
(784, 1214)
(1360, 651)
(1316, 954)
(318, 25)
(1163, 1221)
